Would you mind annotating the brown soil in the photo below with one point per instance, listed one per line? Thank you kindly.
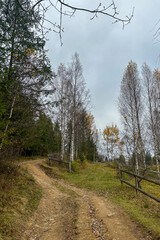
(69, 213)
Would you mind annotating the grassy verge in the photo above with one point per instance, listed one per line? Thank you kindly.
(19, 197)
(29, 158)
(103, 180)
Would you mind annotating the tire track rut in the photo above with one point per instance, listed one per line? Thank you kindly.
(66, 212)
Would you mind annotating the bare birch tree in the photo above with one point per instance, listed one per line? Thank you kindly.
(79, 99)
(130, 106)
(73, 99)
(60, 86)
(152, 87)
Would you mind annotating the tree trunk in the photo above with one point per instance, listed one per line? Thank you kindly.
(62, 147)
(72, 142)
(137, 166)
(6, 128)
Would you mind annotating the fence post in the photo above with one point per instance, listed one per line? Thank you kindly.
(136, 184)
(121, 174)
(136, 181)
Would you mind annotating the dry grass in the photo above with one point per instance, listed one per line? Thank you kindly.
(19, 197)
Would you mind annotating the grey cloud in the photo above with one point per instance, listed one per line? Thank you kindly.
(105, 50)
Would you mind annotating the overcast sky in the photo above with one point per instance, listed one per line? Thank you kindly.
(105, 49)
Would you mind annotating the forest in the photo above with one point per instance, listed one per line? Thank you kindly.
(41, 111)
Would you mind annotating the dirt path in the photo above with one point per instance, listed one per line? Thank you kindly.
(68, 213)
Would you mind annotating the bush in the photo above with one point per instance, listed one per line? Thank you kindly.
(76, 165)
(84, 163)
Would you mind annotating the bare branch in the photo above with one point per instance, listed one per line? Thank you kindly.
(60, 29)
(99, 10)
(65, 9)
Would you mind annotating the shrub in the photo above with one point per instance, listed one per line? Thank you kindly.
(84, 163)
(76, 165)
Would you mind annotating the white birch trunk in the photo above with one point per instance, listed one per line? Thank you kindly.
(62, 147)
(153, 134)
(72, 141)
(76, 145)
(144, 160)
(62, 133)
(73, 120)
(157, 163)
(62, 118)
(157, 160)
(137, 166)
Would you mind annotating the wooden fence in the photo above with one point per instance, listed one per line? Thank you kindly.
(55, 157)
(138, 178)
(147, 170)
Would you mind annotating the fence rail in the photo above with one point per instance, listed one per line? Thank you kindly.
(56, 158)
(137, 181)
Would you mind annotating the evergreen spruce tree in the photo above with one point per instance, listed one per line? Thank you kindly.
(24, 68)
